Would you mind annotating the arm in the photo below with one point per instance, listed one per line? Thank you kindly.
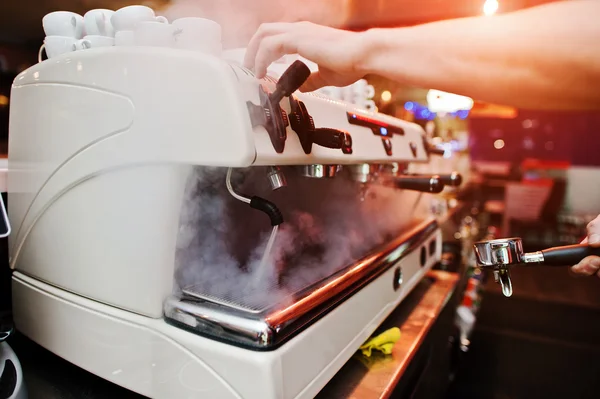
(543, 57)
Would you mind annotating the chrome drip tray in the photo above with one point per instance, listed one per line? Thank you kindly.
(195, 293)
(265, 324)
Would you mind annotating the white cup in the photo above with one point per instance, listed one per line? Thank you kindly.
(57, 45)
(93, 41)
(370, 105)
(63, 23)
(127, 18)
(125, 38)
(155, 34)
(363, 89)
(198, 34)
(97, 22)
(331, 92)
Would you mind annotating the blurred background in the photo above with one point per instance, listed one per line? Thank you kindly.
(538, 175)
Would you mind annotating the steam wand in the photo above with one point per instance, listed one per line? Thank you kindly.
(256, 202)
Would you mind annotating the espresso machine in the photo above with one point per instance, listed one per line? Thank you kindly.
(186, 230)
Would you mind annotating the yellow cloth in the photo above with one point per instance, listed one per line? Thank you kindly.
(384, 342)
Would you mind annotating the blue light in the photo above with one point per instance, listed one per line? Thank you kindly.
(424, 113)
(354, 116)
(409, 106)
(383, 131)
(463, 114)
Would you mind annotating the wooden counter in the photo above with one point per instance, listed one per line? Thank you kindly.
(377, 377)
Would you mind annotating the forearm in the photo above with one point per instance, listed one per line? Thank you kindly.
(544, 57)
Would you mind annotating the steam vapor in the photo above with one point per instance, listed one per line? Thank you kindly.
(327, 227)
(239, 19)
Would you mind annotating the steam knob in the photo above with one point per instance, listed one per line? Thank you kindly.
(290, 81)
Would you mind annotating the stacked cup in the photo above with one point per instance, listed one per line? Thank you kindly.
(134, 25)
(198, 34)
(63, 29)
(138, 25)
(67, 31)
(359, 93)
(99, 31)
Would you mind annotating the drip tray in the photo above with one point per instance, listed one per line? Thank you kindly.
(251, 320)
(256, 306)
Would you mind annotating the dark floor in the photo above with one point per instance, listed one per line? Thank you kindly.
(544, 342)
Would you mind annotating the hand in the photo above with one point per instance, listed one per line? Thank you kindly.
(338, 53)
(590, 265)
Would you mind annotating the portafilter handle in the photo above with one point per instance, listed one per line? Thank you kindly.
(422, 183)
(567, 255)
(453, 179)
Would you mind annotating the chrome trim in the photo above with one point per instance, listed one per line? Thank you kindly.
(276, 177)
(273, 326)
(319, 171)
(533, 257)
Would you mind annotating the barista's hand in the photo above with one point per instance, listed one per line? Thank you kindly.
(338, 53)
(590, 265)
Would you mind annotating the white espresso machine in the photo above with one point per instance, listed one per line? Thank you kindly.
(186, 230)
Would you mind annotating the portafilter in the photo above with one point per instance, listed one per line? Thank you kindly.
(502, 253)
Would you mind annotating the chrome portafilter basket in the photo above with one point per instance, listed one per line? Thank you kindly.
(501, 254)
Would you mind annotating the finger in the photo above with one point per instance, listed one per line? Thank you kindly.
(271, 49)
(315, 81)
(264, 31)
(593, 229)
(594, 239)
(588, 266)
(585, 240)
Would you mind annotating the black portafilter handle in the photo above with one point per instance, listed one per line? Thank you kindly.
(568, 255)
(333, 138)
(426, 184)
(453, 179)
(290, 81)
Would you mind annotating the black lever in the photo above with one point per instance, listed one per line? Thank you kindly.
(453, 179)
(304, 126)
(426, 184)
(333, 138)
(269, 113)
(290, 81)
(435, 150)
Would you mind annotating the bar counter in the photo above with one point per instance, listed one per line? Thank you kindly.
(377, 377)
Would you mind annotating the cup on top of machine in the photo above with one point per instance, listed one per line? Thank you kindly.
(127, 18)
(97, 22)
(93, 41)
(63, 23)
(125, 38)
(155, 34)
(57, 45)
(198, 34)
